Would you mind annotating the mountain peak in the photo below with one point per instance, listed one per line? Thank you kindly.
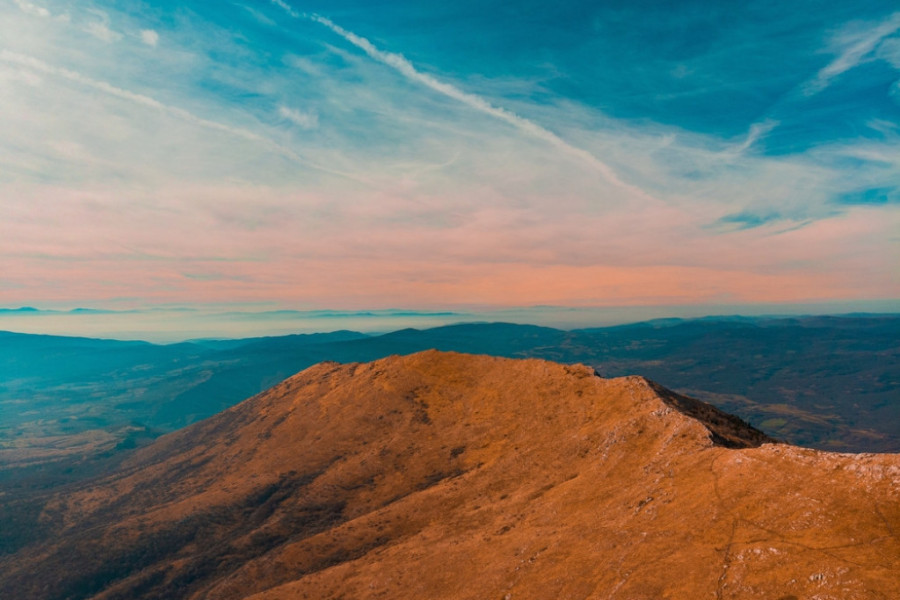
(445, 475)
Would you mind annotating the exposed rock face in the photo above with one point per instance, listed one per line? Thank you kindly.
(454, 476)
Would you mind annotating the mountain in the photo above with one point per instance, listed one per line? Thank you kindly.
(444, 475)
(66, 403)
(823, 382)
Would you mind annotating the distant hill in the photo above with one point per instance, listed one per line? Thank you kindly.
(822, 382)
(451, 476)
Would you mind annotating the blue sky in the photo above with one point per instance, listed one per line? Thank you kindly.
(353, 155)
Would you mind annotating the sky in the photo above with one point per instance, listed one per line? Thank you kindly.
(349, 155)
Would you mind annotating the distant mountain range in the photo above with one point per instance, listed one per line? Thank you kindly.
(451, 476)
(32, 310)
(822, 382)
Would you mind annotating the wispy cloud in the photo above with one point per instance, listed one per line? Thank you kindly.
(756, 132)
(303, 120)
(478, 103)
(107, 88)
(854, 47)
(32, 9)
(100, 28)
(889, 50)
(287, 8)
(408, 70)
(149, 102)
(150, 37)
(504, 187)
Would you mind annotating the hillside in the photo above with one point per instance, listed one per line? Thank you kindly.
(443, 475)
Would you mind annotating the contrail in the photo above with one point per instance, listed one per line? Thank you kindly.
(38, 65)
(406, 68)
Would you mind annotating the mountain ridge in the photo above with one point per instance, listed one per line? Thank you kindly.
(827, 383)
(446, 475)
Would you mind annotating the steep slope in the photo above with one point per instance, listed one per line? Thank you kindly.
(454, 476)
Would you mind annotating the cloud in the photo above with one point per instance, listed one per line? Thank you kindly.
(399, 63)
(146, 101)
(304, 120)
(100, 28)
(32, 9)
(889, 50)
(754, 134)
(307, 65)
(464, 198)
(530, 128)
(149, 37)
(855, 47)
(287, 8)
(21, 75)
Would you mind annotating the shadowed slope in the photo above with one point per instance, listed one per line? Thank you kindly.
(454, 476)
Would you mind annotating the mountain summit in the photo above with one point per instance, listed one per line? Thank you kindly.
(443, 475)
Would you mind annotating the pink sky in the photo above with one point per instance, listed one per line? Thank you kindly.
(67, 249)
(179, 162)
